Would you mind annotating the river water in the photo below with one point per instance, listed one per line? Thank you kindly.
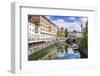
(56, 51)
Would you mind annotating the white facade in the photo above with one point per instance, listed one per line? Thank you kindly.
(32, 35)
(75, 34)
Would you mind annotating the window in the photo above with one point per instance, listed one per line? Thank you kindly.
(36, 29)
(30, 29)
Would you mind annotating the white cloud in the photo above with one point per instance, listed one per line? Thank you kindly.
(84, 20)
(74, 26)
(70, 26)
(48, 17)
(60, 20)
(72, 18)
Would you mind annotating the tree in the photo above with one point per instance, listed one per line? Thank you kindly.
(85, 37)
(66, 32)
(58, 34)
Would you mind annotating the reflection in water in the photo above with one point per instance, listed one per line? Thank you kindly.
(56, 51)
(66, 52)
(70, 55)
(61, 51)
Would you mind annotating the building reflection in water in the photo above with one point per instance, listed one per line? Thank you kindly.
(56, 51)
(62, 52)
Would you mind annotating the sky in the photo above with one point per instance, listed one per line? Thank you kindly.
(70, 22)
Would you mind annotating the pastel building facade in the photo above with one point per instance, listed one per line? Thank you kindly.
(41, 29)
(75, 35)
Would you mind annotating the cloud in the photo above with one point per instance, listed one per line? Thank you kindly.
(71, 26)
(84, 20)
(72, 18)
(60, 20)
(76, 25)
(48, 17)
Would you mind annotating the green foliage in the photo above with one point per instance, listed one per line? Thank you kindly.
(58, 34)
(78, 41)
(66, 32)
(84, 42)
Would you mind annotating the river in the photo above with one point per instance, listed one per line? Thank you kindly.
(57, 51)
